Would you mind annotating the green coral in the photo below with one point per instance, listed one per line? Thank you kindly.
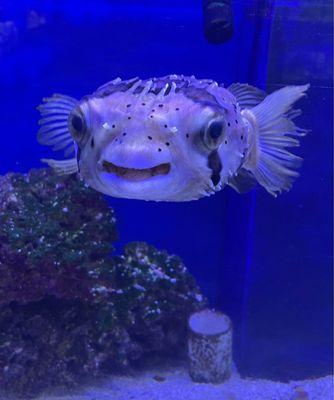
(50, 226)
(40, 224)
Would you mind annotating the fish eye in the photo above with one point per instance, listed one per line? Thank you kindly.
(77, 125)
(214, 133)
(215, 129)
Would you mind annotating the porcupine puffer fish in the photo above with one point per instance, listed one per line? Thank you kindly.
(175, 138)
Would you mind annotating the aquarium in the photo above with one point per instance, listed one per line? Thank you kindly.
(165, 209)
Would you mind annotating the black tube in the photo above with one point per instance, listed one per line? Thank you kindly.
(218, 20)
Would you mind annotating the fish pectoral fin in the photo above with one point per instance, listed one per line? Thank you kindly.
(53, 131)
(62, 167)
(247, 96)
(270, 160)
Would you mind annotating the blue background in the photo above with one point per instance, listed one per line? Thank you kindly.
(265, 262)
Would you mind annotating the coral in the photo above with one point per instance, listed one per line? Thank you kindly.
(53, 230)
(69, 309)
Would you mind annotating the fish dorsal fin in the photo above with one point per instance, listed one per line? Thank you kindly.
(53, 130)
(247, 96)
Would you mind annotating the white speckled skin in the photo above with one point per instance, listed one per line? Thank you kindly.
(145, 129)
(175, 138)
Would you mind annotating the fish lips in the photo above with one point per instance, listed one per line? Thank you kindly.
(135, 174)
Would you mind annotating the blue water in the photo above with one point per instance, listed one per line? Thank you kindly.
(265, 262)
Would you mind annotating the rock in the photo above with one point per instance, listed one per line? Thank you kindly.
(69, 309)
(54, 233)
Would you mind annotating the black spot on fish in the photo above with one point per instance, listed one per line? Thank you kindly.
(214, 163)
(177, 108)
(128, 105)
(129, 117)
(149, 137)
(92, 143)
(161, 105)
(236, 121)
(187, 135)
(167, 143)
(143, 104)
(229, 124)
(159, 149)
(113, 126)
(124, 134)
(165, 126)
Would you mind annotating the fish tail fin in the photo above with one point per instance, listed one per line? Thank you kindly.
(268, 160)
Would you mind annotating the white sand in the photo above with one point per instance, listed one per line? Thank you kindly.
(178, 386)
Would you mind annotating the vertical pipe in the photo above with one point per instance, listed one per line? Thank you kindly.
(257, 74)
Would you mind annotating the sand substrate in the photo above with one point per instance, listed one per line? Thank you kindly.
(173, 383)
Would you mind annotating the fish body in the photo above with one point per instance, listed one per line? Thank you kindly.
(175, 138)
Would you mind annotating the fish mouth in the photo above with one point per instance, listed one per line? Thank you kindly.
(134, 174)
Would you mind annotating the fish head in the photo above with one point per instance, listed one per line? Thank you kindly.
(138, 150)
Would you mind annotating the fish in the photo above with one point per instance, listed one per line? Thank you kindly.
(175, 138)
